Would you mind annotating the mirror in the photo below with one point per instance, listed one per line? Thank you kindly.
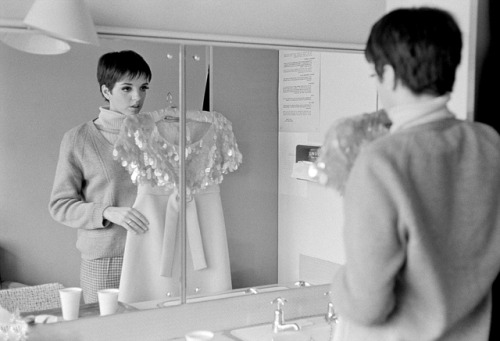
(279, 228)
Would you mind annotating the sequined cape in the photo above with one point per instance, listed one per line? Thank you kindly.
(151, 155)
(342, 144)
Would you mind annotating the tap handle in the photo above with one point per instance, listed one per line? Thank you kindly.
(330, 316)
(280, 301)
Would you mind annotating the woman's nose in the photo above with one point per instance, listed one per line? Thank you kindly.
(137, 95)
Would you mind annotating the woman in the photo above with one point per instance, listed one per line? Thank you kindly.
(421, 203)
(92, 192)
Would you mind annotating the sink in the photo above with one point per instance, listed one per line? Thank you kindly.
(311, 329)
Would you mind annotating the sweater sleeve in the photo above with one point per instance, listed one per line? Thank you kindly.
(67, 204)
(364, 289)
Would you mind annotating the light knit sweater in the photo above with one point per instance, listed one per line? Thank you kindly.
(422, 235)
(88, 180)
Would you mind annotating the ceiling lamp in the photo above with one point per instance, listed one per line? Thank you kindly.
(64, 19)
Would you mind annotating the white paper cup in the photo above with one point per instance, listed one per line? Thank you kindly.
(108, 301)
(70, 302)
(199, 335)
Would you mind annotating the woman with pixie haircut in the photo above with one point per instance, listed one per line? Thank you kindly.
(92, 192)
(421, 203)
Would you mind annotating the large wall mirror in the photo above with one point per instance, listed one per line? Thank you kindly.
(282, 230)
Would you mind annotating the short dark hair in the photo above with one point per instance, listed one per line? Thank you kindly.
(423, 45)
(113, 66)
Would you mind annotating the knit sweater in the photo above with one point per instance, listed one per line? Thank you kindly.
(88, 180)
(422, 230)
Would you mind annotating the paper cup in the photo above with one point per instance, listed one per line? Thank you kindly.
(70, 302)
(199, 335)
(108, 301)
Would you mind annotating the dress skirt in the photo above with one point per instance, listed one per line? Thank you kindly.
(151, 263)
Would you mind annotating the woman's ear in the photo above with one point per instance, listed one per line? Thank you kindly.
(389, 77)
(105, 92)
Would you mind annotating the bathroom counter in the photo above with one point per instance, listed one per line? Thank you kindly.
(173, 322)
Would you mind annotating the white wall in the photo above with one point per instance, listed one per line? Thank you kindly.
(310, 215)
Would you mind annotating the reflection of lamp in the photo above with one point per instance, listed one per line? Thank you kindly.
(33, 42)
(65, 19)
(54, 21)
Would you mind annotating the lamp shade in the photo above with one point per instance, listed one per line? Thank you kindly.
(33, 42)
(64, 19)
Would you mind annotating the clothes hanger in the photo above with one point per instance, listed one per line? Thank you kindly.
(170, 118)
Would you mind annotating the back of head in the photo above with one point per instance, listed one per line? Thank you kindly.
(114, 66)
(423, 45)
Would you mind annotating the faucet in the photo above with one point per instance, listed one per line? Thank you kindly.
(252, 291)
(302, 284)
(279, 324)
(330, 316)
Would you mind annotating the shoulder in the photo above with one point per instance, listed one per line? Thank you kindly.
(79, 130)
(382, 148)
(485, 130)
(383, 161)
(77, 136)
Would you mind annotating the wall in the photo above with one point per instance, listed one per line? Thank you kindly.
(310, 214)
(245, 89)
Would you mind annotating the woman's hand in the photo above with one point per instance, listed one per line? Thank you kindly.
(129, 218)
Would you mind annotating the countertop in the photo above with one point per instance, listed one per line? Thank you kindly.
(173, 322)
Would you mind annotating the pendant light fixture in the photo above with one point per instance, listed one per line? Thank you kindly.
(51, 25)
(34, 42)
(64, 19)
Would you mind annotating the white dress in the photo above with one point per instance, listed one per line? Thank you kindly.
(149, 150)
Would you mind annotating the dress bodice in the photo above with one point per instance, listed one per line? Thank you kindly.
(148, 147)
(343, 142)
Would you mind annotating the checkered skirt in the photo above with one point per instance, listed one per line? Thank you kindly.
(97, 274)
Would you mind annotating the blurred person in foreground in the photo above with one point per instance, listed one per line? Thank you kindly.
(421, 203)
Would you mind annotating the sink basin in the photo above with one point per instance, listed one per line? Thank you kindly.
(311, 329)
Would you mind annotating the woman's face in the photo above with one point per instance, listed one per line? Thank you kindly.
(127, 96)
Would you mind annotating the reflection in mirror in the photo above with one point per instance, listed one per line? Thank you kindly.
(42, 98)
(280, 229)
(283, 228)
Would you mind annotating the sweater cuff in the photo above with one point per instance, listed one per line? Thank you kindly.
(97, 216)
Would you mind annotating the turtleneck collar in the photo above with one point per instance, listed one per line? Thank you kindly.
(405, 116)
(109, 120)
